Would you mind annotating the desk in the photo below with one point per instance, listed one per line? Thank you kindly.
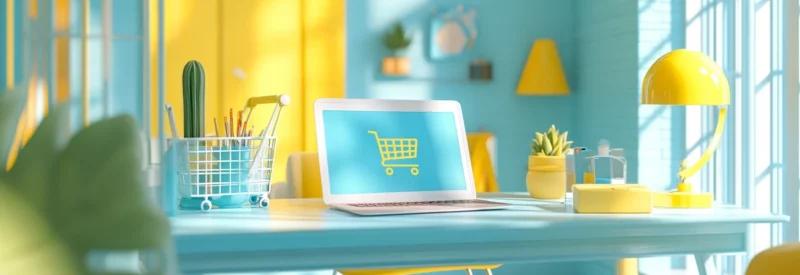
(304, 234)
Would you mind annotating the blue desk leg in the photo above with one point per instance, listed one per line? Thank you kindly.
(705, 264)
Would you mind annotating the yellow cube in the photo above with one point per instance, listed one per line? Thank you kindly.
(612, 198)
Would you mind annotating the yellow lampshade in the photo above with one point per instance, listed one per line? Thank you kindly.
(543, 74)
(684, 77)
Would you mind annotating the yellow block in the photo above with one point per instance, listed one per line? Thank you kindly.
(628, 266)
(612, 198)
(682, 200)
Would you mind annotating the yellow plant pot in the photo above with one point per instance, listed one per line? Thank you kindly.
(547, 177)
(396, 65)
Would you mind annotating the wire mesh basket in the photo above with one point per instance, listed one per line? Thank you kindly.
(229, 171)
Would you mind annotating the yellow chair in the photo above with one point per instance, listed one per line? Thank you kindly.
(303, 181)
(783, 259)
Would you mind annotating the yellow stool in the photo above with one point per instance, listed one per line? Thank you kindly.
(783, 259)
(303, 176)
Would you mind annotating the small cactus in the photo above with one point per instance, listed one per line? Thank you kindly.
(550, 143)
(194, 93)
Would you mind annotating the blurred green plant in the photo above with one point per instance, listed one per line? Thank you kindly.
(396, 39)
(67, 199)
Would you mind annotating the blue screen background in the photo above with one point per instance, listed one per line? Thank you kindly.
(354, 160)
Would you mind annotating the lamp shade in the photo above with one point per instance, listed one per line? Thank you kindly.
(684, 77)
(543, 74)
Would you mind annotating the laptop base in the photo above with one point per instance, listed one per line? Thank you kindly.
(381, 209)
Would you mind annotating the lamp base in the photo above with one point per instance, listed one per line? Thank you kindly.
(682, 200)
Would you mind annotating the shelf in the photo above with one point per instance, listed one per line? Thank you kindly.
(383, 77)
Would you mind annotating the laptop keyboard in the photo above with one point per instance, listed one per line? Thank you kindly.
(423, 203)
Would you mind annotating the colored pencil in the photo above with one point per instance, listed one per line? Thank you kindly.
(250, 134)
(230, 112)
(227, 132)
(216, 127)
(239, 124)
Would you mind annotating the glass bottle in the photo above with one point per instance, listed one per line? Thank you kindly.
(618, 166)
(601, 163)
(588, 175)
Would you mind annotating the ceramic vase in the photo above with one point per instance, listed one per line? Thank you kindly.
(547, 177)
(396, 66)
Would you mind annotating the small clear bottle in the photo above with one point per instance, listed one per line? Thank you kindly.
(602, 163)
(608, 166)
(618, 166)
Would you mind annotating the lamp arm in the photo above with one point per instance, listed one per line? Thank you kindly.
(711, 147)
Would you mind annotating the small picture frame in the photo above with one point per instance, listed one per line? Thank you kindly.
(452, 33)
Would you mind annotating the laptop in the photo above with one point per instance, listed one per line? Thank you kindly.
(387, 157)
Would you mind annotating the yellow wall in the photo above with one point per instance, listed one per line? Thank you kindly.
(283, 47)
(323, 58)
(191, 32)
(262, 37)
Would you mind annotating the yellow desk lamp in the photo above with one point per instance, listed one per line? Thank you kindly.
(684, 77)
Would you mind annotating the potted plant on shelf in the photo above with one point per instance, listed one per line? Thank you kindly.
(396, 41)
(547, 175)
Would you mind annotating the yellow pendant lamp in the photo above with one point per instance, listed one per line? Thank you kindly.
(543, 74)
(684, 77)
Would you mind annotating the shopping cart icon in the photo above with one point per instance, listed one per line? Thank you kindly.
(397, 149)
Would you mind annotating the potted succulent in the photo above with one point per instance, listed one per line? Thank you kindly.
(396, 40)
(547, 175)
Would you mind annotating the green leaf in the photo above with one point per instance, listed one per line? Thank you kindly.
(553, 136)
(29, 244)
(556, 143)
(11, 105)
(556, 150)
(31, 174)
(540, 138)
(548, 147)
(101, 201)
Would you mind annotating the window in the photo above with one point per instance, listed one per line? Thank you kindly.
(86, 52)
(747, 39)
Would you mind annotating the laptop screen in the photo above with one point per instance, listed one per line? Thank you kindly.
(392, 151)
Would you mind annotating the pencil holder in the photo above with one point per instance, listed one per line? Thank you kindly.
(229, 171)
(221, 170)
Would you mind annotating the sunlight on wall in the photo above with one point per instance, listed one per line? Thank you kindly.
(263, 38)
(323, 58)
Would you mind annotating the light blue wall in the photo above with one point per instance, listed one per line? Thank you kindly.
(607, 106)
(507, 29)
(618, 41)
